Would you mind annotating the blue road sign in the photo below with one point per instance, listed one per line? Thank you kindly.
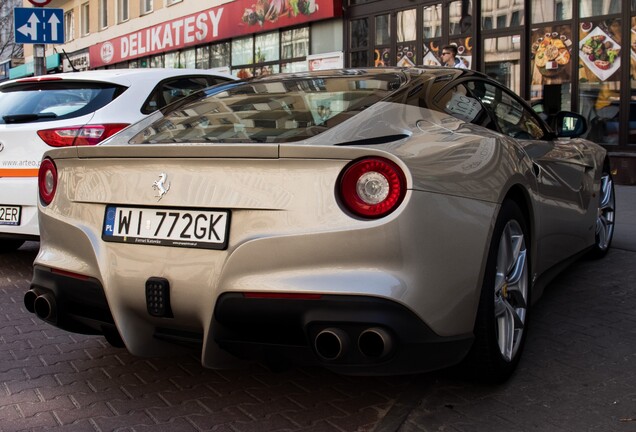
(39, 25)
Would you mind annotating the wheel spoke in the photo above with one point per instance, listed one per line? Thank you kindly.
(506, 333)
(606, 192)
(516, 273)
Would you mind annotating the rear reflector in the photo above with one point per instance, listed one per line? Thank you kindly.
(80, 135)
(69, 274)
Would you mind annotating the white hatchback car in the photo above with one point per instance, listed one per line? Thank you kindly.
(82, 108)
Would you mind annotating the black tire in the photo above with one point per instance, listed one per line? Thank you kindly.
(10, 245)
(504, 302)
(605, 215)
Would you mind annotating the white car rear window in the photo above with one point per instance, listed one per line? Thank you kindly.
(44, 101)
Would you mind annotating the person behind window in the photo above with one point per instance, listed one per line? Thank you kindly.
(449, 57)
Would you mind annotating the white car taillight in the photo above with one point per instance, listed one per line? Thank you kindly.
(372, 187)
(47, 181)
(79, 135)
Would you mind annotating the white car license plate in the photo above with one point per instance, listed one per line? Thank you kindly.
(10, 215)
(205, 229)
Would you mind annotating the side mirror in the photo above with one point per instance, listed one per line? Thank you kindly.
(569, 125)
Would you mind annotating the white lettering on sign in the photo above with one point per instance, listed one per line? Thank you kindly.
(170, 35)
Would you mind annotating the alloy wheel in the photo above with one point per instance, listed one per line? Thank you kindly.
(511, 290)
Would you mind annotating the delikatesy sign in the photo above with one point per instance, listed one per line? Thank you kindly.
(232, 19)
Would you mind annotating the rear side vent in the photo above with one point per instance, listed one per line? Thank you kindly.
(158, 297)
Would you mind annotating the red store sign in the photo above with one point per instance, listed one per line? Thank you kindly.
(237, 18)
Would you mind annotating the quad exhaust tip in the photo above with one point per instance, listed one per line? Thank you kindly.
(375, 343)
(29, 299)
(45, 307)
(331, 343)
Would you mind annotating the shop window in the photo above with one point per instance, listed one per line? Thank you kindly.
(358, 42)
(69, 26)
(502, 57)
(502, 15)
(407, 38)
(157, 61)
(187, 58)
(203, 57)
(266, 47)
(359, 59)
(382, 30)
(599, 78)
(220, 55)
(460, 19)
(171, 60)
(464, 50)
(359, 33)
(549, 10)
(382, 51)
(593, 8)
(294, 43)
(242, 51)
(432, 20)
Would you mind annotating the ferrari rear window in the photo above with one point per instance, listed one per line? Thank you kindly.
(30, 102)
(271, 111)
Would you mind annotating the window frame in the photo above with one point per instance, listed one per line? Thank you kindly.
(69, 25)
(146, 6)
(103, 14)
(123, 11)
(85, 23)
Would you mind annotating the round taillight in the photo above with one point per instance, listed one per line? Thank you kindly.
(47, 181)
(372, 187)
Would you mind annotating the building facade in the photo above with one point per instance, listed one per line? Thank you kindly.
(577, 55)
(244, 37)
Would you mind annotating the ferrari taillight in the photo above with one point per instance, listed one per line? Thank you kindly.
(372, 187)
(80, 135)
(47, 181)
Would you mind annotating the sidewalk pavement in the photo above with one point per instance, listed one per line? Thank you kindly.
(625, 232)
(578, 371)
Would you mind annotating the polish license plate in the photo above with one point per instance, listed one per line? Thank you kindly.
(190, 228)
(10, 215)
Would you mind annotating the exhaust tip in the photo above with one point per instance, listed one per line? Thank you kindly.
(29, 299)
(375, 343)
(45, 307)
(331, 344)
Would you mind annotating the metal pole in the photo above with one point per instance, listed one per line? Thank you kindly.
(39, 61)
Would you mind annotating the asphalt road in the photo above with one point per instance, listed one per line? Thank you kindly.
(578, 372)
